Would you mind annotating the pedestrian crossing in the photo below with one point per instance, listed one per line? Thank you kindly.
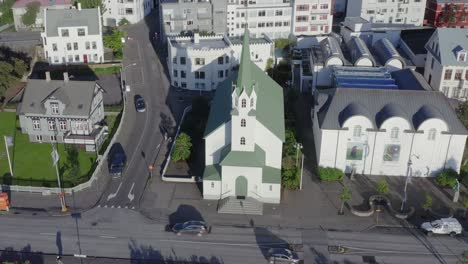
(116, 207)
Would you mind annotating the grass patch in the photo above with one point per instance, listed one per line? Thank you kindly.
(113, 108)
(107, 70)
(112, 122)
(7, 128)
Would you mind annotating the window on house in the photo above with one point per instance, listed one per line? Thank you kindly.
(394, 133)
(212, 185)
(55, 108)
(220, 60)
(244, 103)
(36, 124)
(251, 102)
(69, 46)
(242, 141)
(176, 84)
(226, 59)
(243, 122)
(94, 45)
(183, 84)
(302, 18)
(324, 6)
(75, 45)
(77, 58)
(129, 11)
(323, 17)
(54, 47)
(261, 13)
(70, 58)
(174, 60)
(51, 124)
(448, 74)
(182, 74)
(64, 32)
(182, 60)
(38, 138)
(53, 138)
(63, 125)
(302, 7)
(175, 73)
(432, 134)
(271, 188)
(458, 74)
(461, 56)
(199, 75)
(221, 74)
(81, 32)
(87, 45)
(357, 131)
(279, 12)
(199, 61)
(466, 75)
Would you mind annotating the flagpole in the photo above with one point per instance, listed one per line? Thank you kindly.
(8, 155)
(56, 158)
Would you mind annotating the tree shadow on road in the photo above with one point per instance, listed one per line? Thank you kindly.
(266, 240)
(25, 254)
(141, 254)
(184, 213)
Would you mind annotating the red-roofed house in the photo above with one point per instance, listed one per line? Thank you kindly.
(19, 8)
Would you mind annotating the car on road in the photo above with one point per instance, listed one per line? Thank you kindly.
(446, 226)
(140, 104)
(116, 160)
(282, 255)
(198, 228)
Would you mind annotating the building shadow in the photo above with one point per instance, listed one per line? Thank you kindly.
(183, 214)
(266, 240)
(9, 255)
(78, 72)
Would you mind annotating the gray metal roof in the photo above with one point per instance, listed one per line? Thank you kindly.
(452, 40)
(385, 51)
(76, 95)
(452, 1)
(336, 105)
(56, 18)
(408, 79)
(358, 50)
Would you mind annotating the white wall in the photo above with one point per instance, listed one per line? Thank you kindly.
(115, 10)
(215, 142)
(318, 16)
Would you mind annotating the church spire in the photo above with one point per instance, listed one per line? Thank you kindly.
(244, 77)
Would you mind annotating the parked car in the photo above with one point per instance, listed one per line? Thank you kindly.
(140, 104)
(444, 226)
(282, 255)
(190, 227)
(116, 160)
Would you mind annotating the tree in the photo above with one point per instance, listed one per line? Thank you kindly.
(123, 22)
(19, 67)
(382, 187)
(182, 148)
(344, 197)
(114, 41)
(6, 11)
(465, 205)
(290, 147)
(427, 203)
(73, 163)
(93, 4)
(7, 77)
(462, 113)
(32, 9)
(447, 178)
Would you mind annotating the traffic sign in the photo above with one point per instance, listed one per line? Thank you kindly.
(151, 167)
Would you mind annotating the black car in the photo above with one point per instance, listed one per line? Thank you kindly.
(116, 160)
(190, 227)
(140, 104)
(282, 255)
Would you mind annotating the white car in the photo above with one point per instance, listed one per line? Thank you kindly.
(445, 226)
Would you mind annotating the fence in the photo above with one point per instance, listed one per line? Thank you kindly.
(94, 178)
(168, 159)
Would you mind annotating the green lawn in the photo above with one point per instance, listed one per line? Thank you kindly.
(107, 70)
(7, 128)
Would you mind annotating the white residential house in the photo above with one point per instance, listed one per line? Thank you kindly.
(269, 17)
(19, 9)
(312, 17)
(387, 132)
(388, 11)
(244, 137)
(132, 10)
(202, 62)
(446, 67)
(73, 36)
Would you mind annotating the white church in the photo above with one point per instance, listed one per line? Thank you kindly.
(244, 137)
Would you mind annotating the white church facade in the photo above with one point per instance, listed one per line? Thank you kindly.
(244, 136)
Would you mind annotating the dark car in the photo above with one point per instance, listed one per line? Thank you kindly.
(190, 227)
(116, 160)
(140, 104)
(282, 255)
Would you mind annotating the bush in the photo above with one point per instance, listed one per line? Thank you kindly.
(123, 22)
(32, 9)
(382, 187)
(428, 202)
(182, 148)
(447, 178)
(330, 174)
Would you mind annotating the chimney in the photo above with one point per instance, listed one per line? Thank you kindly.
(47, 76)
(79, 6)
(65, 77)
(196, 38)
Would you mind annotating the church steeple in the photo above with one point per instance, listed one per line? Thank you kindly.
(244, 77)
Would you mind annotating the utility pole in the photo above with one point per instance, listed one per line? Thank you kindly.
(55, 159)
(8, 154)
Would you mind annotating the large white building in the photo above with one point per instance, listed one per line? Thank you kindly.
(446, 67)
(132, 10)
(388, 11)
(312, 17)
(269, 17)
(387, 132)
(73, 36)
(202, 62)
(244, 136)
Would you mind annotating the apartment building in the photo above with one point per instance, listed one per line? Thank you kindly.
(388, 11)
(132, 10)
(312, 17)
(446, 67)
(447, 13)
(193, 15)
(73, 36)
(270, 17)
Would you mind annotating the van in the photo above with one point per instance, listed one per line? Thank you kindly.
(116, 160)
(445, 226)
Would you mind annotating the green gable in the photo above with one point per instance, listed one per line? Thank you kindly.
(212, 173)
(271, 175)
(243, 158)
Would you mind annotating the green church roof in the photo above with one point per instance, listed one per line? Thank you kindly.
(212, 173)
(244, 78)
(255, 158)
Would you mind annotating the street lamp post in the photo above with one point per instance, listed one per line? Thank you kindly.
(408, 178)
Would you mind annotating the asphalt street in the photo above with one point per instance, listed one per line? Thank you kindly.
(20, 38)
(141, 136)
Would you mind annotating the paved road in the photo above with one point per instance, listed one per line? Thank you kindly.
(20, 37)
(141, 136)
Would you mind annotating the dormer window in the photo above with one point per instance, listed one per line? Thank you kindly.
(244, 103)
(55, 108)
(461, 56)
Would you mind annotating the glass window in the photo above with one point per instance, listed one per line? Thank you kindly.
(221, 74)
(242, 141)
(357, 131)
(63, 125)
(51, 124)
(199, 75)
(251, 102)
(261, 13)
(199, 61)
(174, 60)
(244, 103)
(182, 60)
(64, 32)
(458, 74)
(75, 45)
(87, 45)
(81, 32)
(243, 122)
(182, 74)
(77, 58)
(448, 74)
(36, 124)
(432, 134)
(455, 92)
(54, 47)
(394, 133)
(70, 58)
(94, 45)
(55, 108)
(227, 59)
(175, 73)
(302, 7)
(220, 60)
(69, 46)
